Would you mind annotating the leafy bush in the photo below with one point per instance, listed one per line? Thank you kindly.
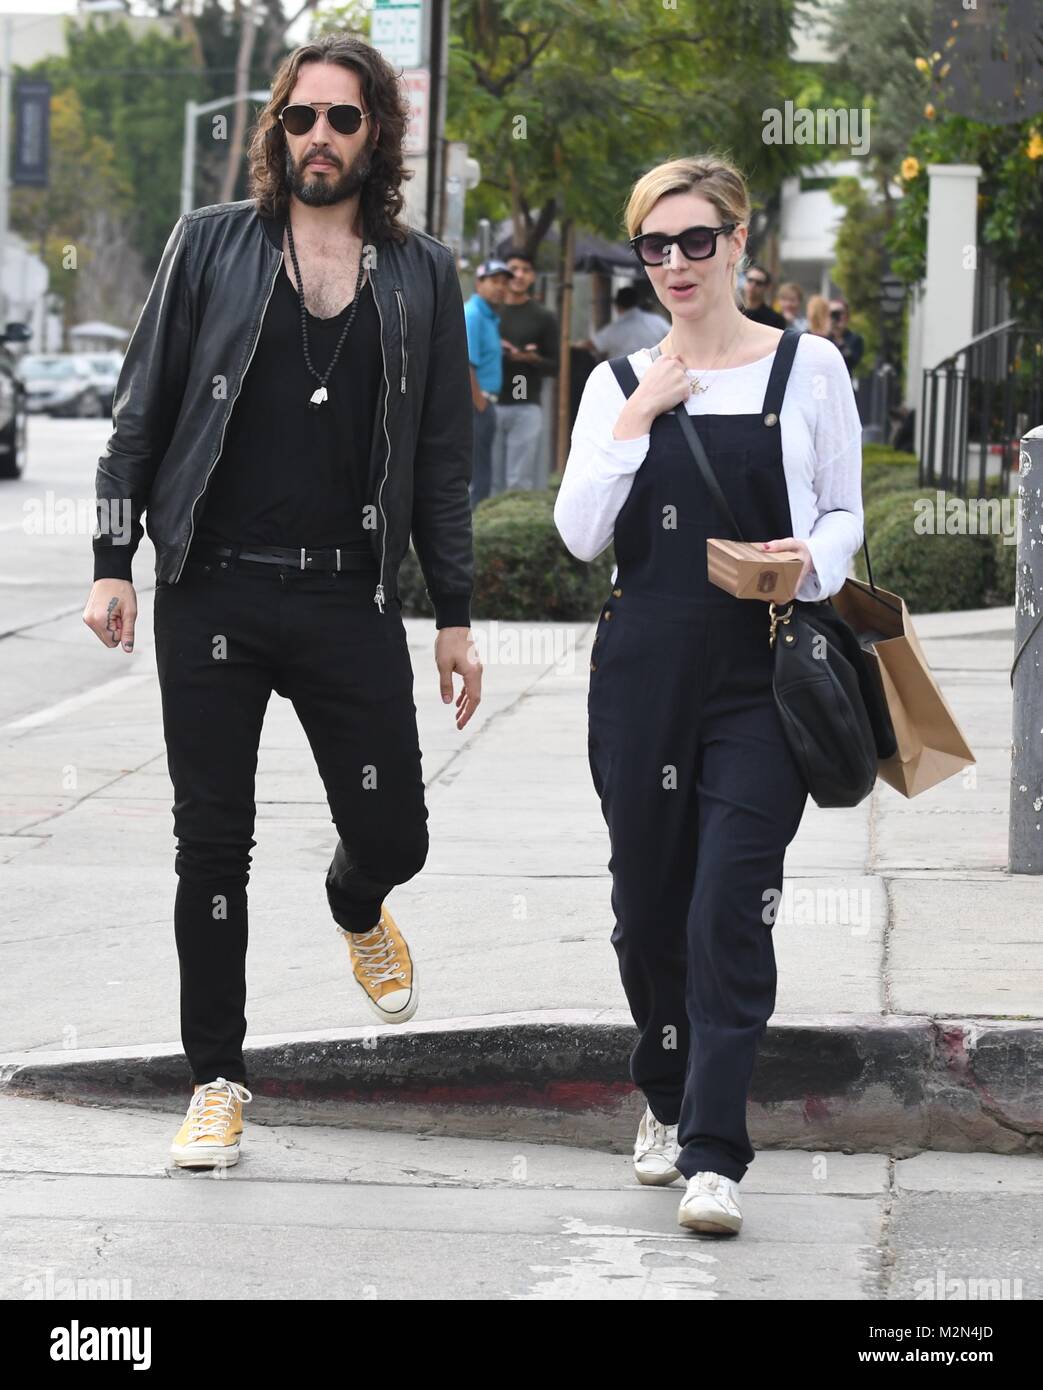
(883, 478)
(933, 572)
(1004, 569)
(879, 509)
(523, 571)
(878, 455)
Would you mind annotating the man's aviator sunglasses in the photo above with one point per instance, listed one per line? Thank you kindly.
(696, 243)
(299, 117)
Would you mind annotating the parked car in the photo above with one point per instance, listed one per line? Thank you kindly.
(105, 368)
(60, 383)
(12, 403)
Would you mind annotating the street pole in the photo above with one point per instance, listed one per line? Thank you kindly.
(188, 156)
(1025, 835)
(193, 110)
(5, 163)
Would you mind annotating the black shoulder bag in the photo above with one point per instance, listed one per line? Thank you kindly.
(833, 710)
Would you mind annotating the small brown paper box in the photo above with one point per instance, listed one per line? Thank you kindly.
(742, 569)
(931, 746)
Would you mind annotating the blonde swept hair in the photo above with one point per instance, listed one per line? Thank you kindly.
(711, 176)
(818, 315)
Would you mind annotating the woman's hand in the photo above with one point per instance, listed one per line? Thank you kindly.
(664, 385)
(661, 387)
(789, 548)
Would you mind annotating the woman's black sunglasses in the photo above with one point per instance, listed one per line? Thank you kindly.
(696, 243)
(299, 117)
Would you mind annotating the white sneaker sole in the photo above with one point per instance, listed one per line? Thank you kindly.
(213, 1157)
(663, 1179)
(400, 1015)
(709, 1225)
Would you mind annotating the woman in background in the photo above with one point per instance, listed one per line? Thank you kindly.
(818, 316)
(791, 305)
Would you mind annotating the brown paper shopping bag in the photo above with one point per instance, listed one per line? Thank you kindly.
(930, 744)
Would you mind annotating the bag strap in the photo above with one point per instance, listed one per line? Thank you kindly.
(706, 468)
(780, 370)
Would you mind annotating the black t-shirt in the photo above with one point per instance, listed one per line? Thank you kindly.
(765, 314)
(289, 475)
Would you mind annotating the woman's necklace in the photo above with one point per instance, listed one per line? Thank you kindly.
(321, 394)
(696, 385)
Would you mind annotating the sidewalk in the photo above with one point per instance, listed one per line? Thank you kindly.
(91, 1211)
(910, 999)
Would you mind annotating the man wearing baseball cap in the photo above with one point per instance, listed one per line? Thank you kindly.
(485, 352)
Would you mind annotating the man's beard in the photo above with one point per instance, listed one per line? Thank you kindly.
(328, 186)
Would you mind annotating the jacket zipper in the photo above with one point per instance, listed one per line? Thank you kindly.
(402, 324)
(228, 416)
(378, 597)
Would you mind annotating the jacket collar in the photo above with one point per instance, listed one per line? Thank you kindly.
(273, 229)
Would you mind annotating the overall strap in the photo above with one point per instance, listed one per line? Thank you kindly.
(624, 374)
(780, 370)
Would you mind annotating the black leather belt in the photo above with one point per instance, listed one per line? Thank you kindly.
(330, 559)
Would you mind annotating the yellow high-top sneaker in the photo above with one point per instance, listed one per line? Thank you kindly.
(384, 969)
(209, 1137)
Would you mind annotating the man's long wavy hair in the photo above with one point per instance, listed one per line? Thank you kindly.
(381, 200)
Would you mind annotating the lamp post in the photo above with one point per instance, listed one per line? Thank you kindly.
(193, 110)
(891, 300)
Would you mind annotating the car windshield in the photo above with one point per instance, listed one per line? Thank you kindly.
(50, 367)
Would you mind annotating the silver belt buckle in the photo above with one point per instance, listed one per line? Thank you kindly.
(338, 559)
(303, 553)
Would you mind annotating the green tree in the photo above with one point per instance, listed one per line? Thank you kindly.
(566, 104)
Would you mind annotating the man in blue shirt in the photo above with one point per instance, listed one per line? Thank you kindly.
(485, 351)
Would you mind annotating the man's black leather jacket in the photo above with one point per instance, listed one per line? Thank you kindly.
(184, 368)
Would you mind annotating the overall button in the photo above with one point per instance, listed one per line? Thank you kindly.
(771, 418)
(607, 614)
(617, 593)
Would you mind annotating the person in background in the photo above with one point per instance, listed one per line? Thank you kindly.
(818, 315)
(633, 328)
(486, 357)
(755, 291)
(529, 337)
(852, 345)
(791, 305)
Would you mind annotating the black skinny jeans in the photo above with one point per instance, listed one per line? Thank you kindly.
(226, 637)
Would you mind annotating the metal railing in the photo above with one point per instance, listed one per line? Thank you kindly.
(977, 404)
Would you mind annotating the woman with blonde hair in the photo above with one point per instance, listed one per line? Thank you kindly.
(818, 315)
(791, 302)
(699, 789)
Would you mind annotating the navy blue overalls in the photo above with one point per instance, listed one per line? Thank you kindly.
(698, 787)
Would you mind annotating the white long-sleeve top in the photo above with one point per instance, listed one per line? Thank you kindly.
(821, 454)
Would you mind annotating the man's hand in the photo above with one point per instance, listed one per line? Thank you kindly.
(111, 612)
(789, 548)
(455, 651)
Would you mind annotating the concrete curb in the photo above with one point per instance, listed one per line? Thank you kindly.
(858, 1082)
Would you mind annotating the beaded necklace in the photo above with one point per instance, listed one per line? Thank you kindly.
(321, 394)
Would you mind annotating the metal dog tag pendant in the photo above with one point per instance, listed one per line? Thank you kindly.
(319, 395)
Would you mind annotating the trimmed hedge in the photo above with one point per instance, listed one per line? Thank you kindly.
(933, 572)
(879, 479)
(523, 572)
(1004, 569)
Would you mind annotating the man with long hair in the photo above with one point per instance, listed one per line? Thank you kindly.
(295, 402)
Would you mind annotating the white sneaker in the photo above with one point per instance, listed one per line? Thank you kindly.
(655, 1151)
(711, 1205)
